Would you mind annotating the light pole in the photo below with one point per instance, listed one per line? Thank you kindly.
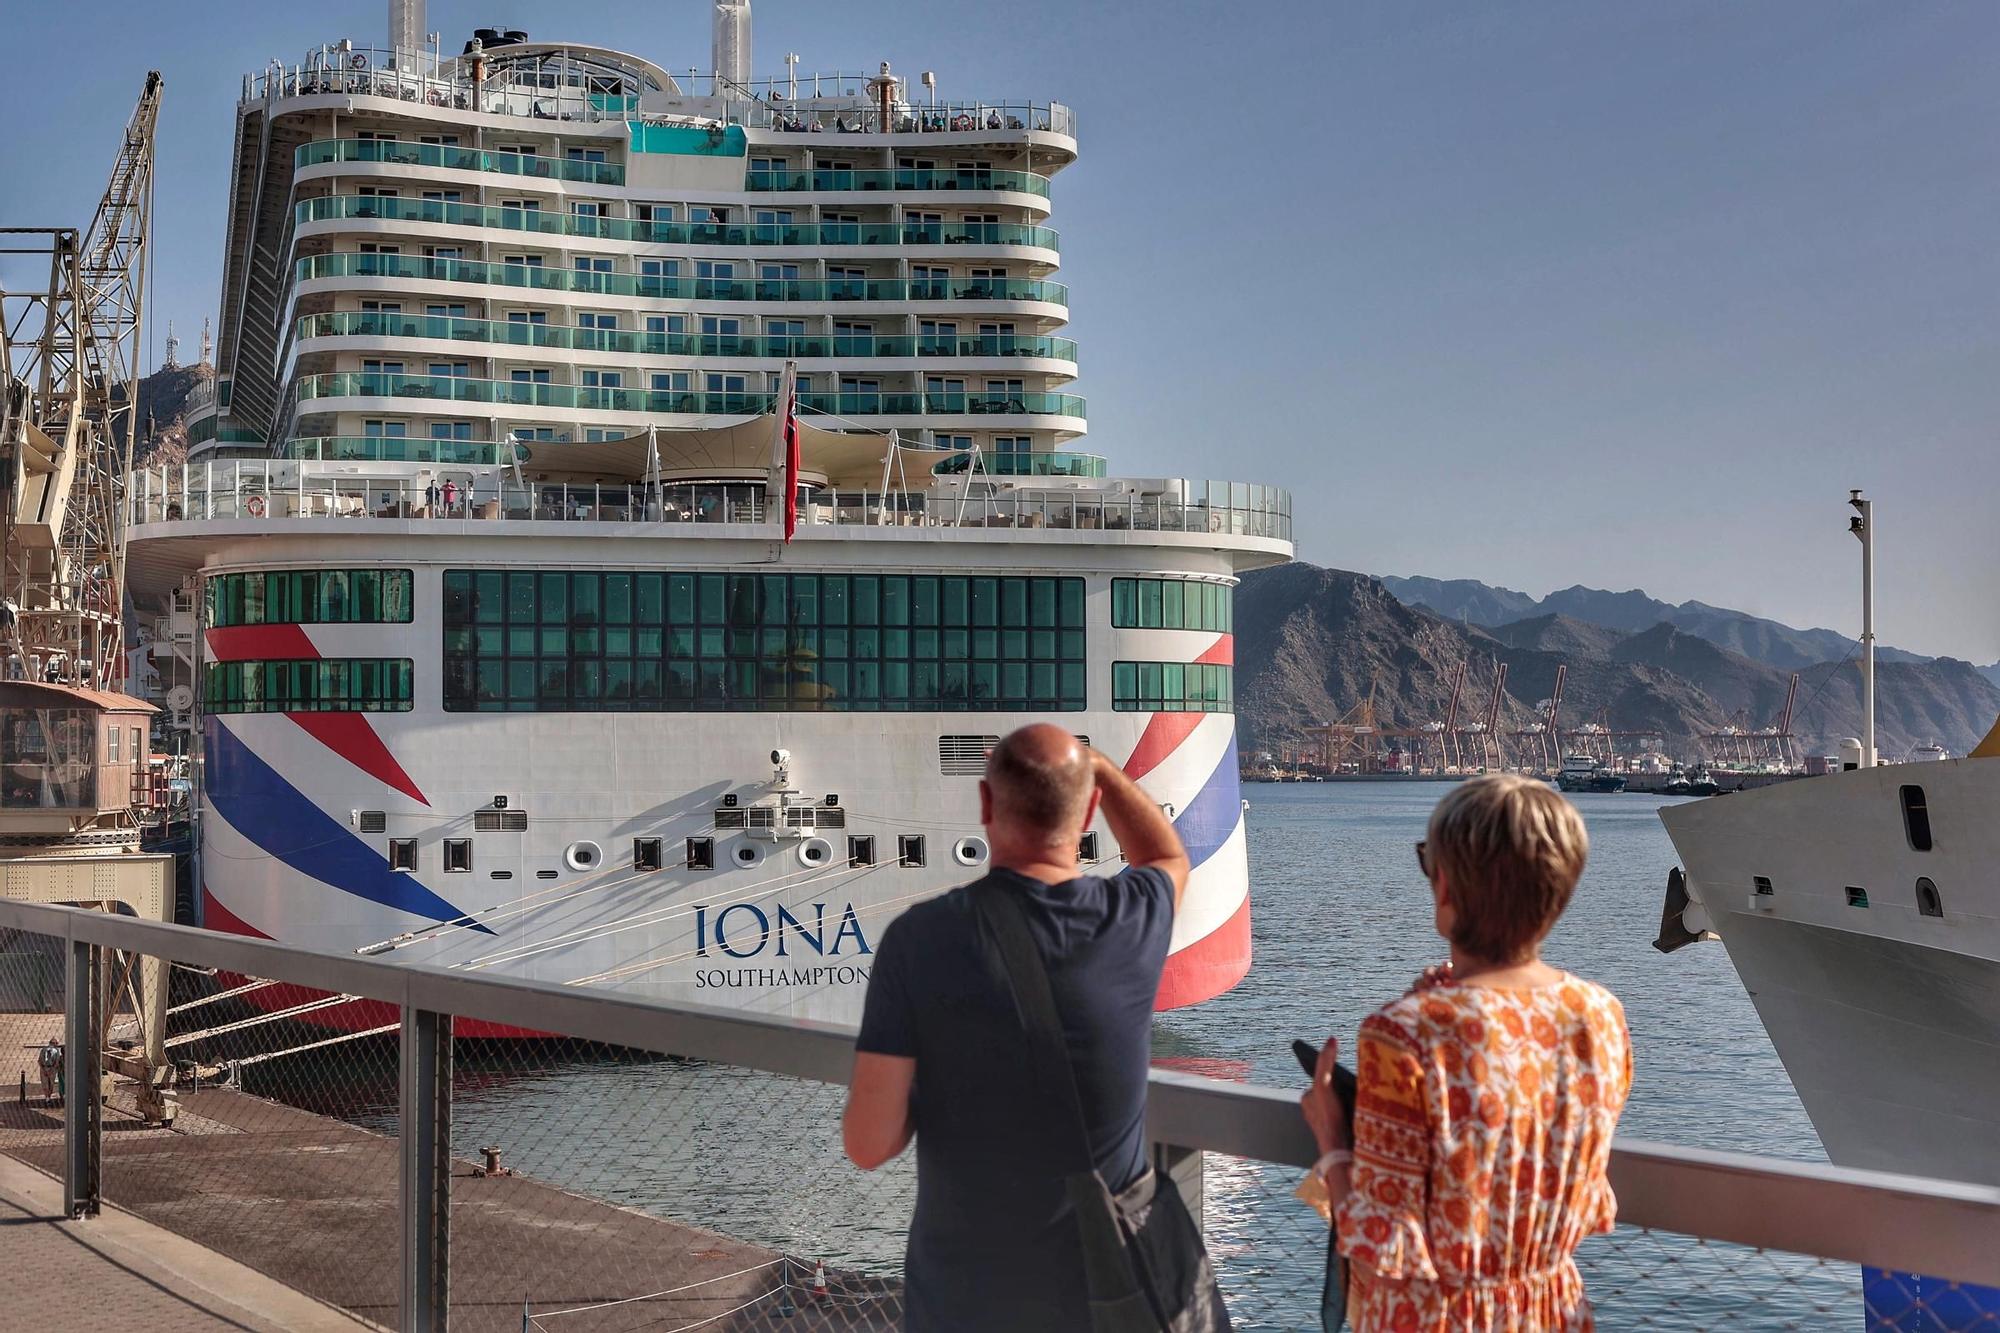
(1863, 526)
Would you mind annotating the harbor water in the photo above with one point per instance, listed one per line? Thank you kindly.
(1342, 922)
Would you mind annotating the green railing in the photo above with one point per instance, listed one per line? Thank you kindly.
(901, 178)
(554, 222)
(457, 159)
(518, 333)
(389, 449)
(346, 265)
(1056, 464)
(456, 389)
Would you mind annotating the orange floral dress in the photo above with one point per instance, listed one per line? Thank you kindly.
(1482, 1126)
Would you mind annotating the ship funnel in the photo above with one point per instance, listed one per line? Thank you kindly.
(406, 32)
(731, 53)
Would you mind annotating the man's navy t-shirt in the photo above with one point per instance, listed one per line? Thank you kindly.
(993, 1245)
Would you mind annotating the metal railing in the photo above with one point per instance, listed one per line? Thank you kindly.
(555, 222)
(283, 490)
(666, 402)
(323, 151)
(353, 1128)
(598, 283)
(635, 342)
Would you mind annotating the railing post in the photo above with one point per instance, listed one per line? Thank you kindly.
(426, 1170)
(83, 1110)
(1183, 1165)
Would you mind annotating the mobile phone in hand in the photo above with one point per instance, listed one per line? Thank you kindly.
(1343, 1077)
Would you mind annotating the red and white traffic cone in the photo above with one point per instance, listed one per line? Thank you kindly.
(819, 1280)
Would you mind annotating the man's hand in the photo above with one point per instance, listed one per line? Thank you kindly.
(1324, 1114)
(1140, 826)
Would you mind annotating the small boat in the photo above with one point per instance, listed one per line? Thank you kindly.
(1580, 772)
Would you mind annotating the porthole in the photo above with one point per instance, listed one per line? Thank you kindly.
(969, 851)
(583, 855)
(815, 852)
(1929, 901)
(747, 854)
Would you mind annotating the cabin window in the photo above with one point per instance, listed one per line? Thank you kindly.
(861, 851)
(458, 856)
(314, 685)
(1929, 902)
(1916, 818)
(910, 849)
(403, 854)
(619, 641)
(1856, 897)
(111, 744)
(1172, 604)
(646, 854)
(138, 746)
(701, 853)
(1762, 885)
(1173, 687)
(310, 597)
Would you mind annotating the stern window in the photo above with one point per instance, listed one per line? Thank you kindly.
(403, 854)
(701, 853)
(910, 849)
(1917, 820)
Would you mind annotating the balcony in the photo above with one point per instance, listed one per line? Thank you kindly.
(551, 222)
(457, 159)
(658, 402)
(1053, 464)
(517, 333)
(389, 449)
(825, 180)
(541, 278)
(263, 490)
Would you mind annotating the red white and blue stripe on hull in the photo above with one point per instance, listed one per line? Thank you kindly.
(281, 855)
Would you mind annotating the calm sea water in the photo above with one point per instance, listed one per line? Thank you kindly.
(1342, 923)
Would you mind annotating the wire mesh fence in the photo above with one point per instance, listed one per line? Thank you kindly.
(596, 1188)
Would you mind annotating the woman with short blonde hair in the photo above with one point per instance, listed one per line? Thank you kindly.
(1486, 1097)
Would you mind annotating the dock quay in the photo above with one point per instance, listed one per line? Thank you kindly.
(679, 1168)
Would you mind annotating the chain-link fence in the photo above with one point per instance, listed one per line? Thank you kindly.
(613, 1181)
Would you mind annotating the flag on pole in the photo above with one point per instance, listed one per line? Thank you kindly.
(785, 448)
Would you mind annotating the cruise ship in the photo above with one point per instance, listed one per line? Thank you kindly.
(629, 504)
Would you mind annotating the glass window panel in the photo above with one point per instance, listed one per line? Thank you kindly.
(586, 594)
(617, 599)
(834, 599)
(1174, 684)
(957, 644)
(1172, 603)
(955, 593)
(1149, 604)
(924, 601)
(742, 599)
(1124, 603)
(714, 604)
(490, 597)
(1013, 602)
(985, 684)
(985, 602)
(1042, 683)
(1070, 683)
(649, 599)
(1042, 603)
(805, 599)
(865, 600)
(1013, 682)
(554, 599)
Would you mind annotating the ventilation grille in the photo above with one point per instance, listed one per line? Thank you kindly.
(815, 817)
(374, 821)
(727, 818)
(762, 817)
(964, 756)
(499, 821)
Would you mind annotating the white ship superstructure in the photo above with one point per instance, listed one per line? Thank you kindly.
(480, 581)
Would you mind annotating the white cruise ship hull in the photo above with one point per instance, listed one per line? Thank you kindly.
(1881, 994)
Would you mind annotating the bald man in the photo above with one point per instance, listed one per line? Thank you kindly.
(942, 1055)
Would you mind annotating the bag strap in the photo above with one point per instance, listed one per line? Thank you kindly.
(997, 906)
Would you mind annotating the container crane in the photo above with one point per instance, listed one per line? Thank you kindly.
(69, 389)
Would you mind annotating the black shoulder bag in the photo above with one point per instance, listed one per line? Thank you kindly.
(1145, 1268)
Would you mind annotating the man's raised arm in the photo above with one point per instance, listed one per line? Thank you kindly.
(1140, 826)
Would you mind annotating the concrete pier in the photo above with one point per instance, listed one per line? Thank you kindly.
(233, 1163)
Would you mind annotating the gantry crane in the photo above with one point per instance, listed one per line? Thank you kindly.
(69, 386)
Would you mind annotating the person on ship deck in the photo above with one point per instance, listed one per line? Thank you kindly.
(1486, 1097)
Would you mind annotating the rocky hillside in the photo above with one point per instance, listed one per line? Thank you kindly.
(1309, 642)
(163, 399)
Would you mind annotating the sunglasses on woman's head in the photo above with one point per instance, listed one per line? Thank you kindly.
(1424, 857)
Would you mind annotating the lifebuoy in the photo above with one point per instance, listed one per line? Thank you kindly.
(254, 506)
(358, 60)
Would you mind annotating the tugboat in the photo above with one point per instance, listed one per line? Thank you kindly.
(1580, 772)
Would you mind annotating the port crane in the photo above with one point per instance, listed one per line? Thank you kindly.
(1742, 744)
(1479, 740)
(1542, 745)
(70, 349)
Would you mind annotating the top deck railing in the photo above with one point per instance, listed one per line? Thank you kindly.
(1705, 1239)
(808, 104)
(275, 490)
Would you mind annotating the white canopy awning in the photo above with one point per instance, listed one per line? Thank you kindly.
(844, 460)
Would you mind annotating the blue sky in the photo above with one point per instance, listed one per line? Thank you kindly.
(1619, 294)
